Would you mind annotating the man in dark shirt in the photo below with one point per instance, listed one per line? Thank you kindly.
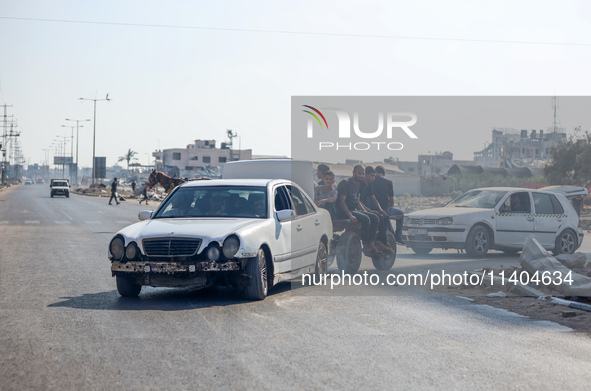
(384, 192)
(114, 192)
(368, 199)
(350, 207)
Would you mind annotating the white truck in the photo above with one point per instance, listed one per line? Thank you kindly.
(59, 187)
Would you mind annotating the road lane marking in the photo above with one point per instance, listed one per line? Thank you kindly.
(63, 222)
(65, 214)
(92, 222)
(123, 222)
(4, 222)
(32, 222)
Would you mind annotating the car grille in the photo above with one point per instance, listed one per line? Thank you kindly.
(419, 221)
(171, 247)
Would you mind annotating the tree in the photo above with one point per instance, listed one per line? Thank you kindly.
(130, 155)
(571, 161)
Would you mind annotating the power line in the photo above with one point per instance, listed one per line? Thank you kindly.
(301, 32)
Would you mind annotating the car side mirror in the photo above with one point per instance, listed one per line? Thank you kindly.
(144, 215)
(286, 214)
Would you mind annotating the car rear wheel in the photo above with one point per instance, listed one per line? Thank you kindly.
(127, 288)
(349, 252)
(256, 269)
(386, 261)
(566, 243)
(478, 241)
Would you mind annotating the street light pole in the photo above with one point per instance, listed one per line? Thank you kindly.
(94, 133)
(77, 126)
(71, 147)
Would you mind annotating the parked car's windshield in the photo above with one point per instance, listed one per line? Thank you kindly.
(60, 184)
(216, 201)
(486, 199)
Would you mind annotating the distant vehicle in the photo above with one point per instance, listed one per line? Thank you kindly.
(28, 182)
(59, 187)
(247, 233)
(498, 218)
(40, 181)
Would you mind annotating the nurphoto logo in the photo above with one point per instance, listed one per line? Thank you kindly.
(394, 122)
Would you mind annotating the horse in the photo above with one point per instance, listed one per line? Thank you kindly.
(167, 182)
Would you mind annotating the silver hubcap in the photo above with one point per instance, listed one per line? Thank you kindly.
(263, 266)
(481, 241)
(321, 261)
(567, 243)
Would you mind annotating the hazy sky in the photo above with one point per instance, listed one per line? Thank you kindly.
(177, 71)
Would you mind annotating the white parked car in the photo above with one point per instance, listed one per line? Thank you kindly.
(249, 233)
(498, 218)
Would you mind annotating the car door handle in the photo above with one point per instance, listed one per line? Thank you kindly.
(299, 228)
(316, 223)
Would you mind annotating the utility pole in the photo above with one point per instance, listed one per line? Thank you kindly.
(77, 128)
(231, 136)
(94, 134)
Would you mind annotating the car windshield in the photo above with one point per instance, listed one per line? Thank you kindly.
(60, 184)
(486, 199)
(216, 201)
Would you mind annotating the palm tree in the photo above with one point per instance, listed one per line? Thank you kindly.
(130, 155)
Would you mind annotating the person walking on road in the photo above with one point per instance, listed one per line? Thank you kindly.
(114, 192)
(133, 186)
(145, 194)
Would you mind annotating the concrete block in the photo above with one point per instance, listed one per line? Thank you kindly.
(572, 261)
(534, 258)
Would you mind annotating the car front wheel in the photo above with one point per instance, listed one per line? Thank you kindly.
(478, 241)
(127, 288)
(566, 243)
(256, 269)
(321, 261)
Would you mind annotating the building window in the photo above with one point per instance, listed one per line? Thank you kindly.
(189, 168)
(194, 158)
(206, 159)
(176, 156)
(222, 159)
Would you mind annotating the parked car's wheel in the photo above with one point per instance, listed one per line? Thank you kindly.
(127, 288)
(68, 195)
(386, 261)
(51, 195)
(421, 250)
(349, 252)
(478, 241)
(566, 242)
(321, 261)
(256, 269)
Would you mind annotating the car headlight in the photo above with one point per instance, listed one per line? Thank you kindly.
(117, 248)
(131, 251)
(445, 221)
(405, 220)
(213, 253)
(231, 246)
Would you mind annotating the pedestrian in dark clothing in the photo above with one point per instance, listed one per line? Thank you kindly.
(145, 194)
(114, 192)
(133, 186)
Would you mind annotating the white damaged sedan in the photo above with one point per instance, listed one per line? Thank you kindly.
(498, 218)
(249, 233)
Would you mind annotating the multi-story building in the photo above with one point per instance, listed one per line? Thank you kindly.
(201, 158)
(510, 148)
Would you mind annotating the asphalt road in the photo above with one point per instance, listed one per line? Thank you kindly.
(63, 325)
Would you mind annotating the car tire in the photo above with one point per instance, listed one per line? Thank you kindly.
(421, 250)
(386, 261)
(256, 269)
(566, 242)
(321, 262)
(478, 241)
(126, 287)
(349, 252)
